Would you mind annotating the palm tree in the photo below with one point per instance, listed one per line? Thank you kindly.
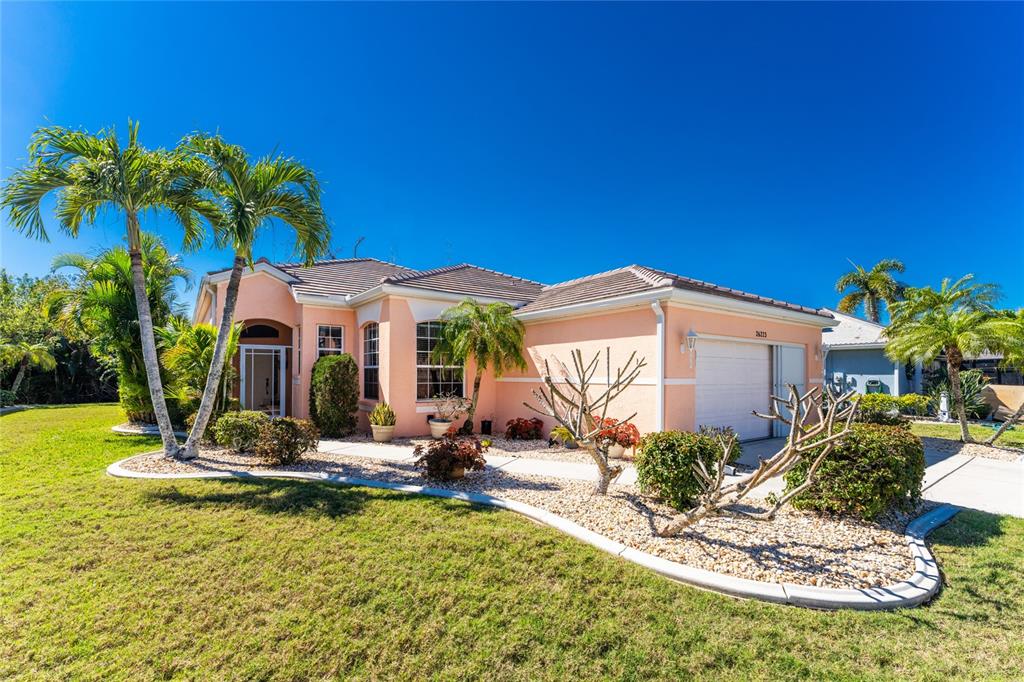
(870, 287)
(952, 321)
(250, 195)
(100, 305)
(94, 173)
(23, 355)
(190, 355)
(1008, 331)
(488, 334)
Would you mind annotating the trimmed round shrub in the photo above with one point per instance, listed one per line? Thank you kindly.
(285, 440)
(914, 404)
(239, 431)
(334, 394)
(664, 465)
(715, 433)
(873, 469)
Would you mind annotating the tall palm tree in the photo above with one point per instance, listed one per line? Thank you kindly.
(95, 173)
(250, 195)
(952, 321)
(488, 334)
(869, 288)
(1008, 332)
(23, 355)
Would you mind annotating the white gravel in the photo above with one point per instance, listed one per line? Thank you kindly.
(797, 547)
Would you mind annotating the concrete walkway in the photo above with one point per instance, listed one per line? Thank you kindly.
(970, 482)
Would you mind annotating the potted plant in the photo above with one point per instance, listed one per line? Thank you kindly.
(447, 408)
(616, 436)
(449, 457)
(382, 423)
(562, 435)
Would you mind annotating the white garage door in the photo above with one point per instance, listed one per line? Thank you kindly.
(733, 379)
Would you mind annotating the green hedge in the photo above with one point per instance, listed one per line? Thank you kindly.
(664, 465)
(334, 394)
(239, 431)
(873, 469)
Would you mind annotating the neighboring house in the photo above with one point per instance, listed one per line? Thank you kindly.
(744, 347)
(855, 358)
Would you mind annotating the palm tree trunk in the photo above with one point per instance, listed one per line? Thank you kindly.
(149, 354)
(467, 428)
(22, 366)
(953, 360)
(871, 308)
(227, 318)
(1015, 417)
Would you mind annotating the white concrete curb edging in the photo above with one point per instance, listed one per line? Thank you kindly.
(915, 590)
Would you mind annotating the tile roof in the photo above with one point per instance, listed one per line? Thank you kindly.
(469, 280)
(852, 331)
(342, 277)
(634, 279)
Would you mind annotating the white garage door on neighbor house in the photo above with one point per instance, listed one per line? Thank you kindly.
(733, 380)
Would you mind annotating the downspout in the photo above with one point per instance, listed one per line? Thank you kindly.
(659, 315)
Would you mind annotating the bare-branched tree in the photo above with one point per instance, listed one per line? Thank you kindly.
(812, 430)
(581, 405)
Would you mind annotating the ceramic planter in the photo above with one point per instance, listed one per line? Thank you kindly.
(383, 434)
(616, 451)
(438, 427)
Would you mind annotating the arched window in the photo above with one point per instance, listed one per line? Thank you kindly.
(371, 358)
(432, 379)
(260, 331)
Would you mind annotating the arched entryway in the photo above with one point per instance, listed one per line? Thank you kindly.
(264, 367)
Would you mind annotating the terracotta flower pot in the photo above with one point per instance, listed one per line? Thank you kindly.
(438, 427)
(457, 472)
(383, 434)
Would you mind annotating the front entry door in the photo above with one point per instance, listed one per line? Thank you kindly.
(262, 386)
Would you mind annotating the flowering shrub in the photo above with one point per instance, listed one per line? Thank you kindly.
(443, 458)
(524, 429)
(614, 432)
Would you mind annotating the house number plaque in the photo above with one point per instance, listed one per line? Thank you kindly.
(761, 335)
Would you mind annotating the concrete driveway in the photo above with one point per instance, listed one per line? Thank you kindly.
(972, 482)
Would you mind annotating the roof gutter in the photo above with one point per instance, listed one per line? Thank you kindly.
(602, 305)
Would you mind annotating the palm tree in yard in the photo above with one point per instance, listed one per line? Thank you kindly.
(91, 174)
(1008, 332)
(954, 321)
(250, 195)
(24, 355)
(190, 356)
(487, 334)
(869, 288)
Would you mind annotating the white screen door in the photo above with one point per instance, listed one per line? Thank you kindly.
(262, 387)
(789, 367)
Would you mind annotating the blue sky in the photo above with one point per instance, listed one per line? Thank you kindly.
(755, 146)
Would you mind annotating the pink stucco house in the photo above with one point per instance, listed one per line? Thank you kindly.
(713, 354)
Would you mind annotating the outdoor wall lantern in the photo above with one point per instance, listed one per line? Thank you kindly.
(691, 344)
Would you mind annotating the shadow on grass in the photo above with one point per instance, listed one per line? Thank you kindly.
(270, 496)
(970, 528)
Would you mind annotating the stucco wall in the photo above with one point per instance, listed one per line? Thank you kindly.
(860, 365)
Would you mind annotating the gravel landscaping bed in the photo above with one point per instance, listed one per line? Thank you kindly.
(956, 447)
(796, 547)
(500, 446)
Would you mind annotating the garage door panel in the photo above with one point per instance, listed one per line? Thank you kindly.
(733, 380)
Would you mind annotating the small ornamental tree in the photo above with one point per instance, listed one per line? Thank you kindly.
(334, 394)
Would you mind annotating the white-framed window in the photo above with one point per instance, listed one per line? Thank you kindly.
(432, 379)
(371, 360)
(329, 339)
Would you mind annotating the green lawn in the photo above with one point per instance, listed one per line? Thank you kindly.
(104, 578)
(1009, 439)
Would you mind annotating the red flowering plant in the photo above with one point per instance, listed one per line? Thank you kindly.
(524, 429)
(614, 432)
